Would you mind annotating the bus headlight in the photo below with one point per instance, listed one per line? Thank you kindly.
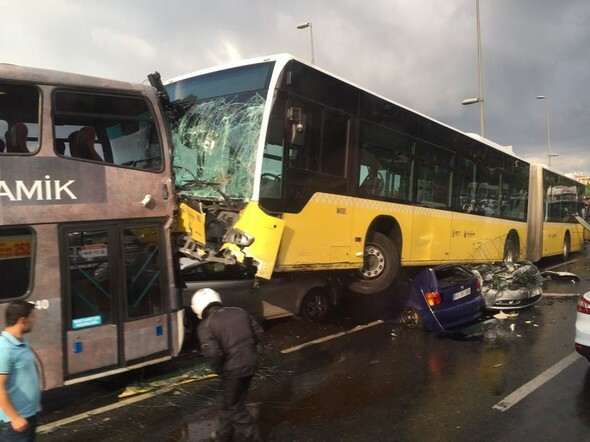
(235, 236)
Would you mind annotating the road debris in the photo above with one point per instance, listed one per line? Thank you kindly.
(193, 374)
(561, 276)
(503, 315)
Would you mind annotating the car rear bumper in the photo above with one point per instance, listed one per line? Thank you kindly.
(450, 317)
(582, 337)
(583, 350)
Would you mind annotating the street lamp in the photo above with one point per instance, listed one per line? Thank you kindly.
(549, 154)
(308, 25)
(479, 99)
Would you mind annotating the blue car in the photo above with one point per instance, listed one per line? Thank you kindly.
(443, 299)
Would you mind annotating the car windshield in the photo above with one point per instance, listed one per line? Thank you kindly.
(215, 141)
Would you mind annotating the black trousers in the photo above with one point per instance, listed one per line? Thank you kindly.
(235, 421)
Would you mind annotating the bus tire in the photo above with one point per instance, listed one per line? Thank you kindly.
(380, 267)
(565, 254)
(316, 305)
(511, 251)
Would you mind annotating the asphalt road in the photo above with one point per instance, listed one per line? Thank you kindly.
(364, 378)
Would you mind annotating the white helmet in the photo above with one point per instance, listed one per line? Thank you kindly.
(201, 300)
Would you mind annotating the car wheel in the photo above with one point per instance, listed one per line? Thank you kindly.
(411, 318)
(566, 247)
(316, 305)
(380, 267)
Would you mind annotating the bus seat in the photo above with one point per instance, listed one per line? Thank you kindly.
(372, 184)
(16, 138)
(82, 144)
(73, 143)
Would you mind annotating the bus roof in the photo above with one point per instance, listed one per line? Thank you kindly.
(53, 77)
(282, 59)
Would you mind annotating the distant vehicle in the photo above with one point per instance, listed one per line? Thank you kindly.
(443, 299)
(311, 295)
(582, 338)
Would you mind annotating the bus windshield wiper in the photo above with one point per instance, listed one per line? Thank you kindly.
(199, 183)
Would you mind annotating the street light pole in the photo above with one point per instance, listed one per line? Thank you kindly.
(479, 99)
(549, 154)
(479, 72)
(308, 25)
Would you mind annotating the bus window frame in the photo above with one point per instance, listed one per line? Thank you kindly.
(34, 148)
(32, 260)
(102, 135)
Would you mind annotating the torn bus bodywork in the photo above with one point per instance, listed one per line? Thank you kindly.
(213, 227)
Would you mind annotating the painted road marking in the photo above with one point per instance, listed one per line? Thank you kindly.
(48, 428)
(559, 295)
(518, 395)
(561, 264)
(330, 337)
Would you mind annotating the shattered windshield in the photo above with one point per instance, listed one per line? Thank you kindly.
(215, 141)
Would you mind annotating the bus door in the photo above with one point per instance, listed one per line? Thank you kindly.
(114, 304)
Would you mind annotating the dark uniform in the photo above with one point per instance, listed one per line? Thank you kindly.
(228, 337)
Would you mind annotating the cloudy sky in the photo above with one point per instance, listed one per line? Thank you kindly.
(420, 53)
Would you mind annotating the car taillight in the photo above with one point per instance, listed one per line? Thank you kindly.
(583, 305)
(433, 298)
(478, 284)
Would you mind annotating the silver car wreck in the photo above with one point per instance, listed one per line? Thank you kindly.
(510, 285)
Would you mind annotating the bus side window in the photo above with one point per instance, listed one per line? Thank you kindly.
(19, 119)
(16, 249)
(109, 128)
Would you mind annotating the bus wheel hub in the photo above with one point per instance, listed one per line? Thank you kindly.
(374, 262)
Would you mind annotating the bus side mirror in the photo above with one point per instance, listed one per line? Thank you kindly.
(296, 120)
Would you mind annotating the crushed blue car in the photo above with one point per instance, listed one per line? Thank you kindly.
(443, 299)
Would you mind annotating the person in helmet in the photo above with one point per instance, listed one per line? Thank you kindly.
(228, 338)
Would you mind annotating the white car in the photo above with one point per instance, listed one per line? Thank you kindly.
(582, 339)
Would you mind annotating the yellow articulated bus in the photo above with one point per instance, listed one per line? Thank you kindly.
(555, 203)
(279, 162)
(86, 209)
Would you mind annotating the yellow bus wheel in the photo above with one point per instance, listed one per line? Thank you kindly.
(566, 247)
(380, 265)
(511, 250)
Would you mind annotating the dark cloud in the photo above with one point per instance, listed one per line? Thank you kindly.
(420, 53)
